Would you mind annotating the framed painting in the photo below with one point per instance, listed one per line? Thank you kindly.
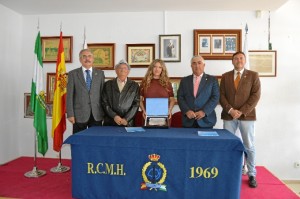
(50, 48)
(104, 55)
(51, 86)
(217, 44)
(140, 55)
(264, 62)
(27, 110)
(170, 48)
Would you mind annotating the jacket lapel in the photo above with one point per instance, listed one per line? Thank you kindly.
(202, 83)
(81, 77)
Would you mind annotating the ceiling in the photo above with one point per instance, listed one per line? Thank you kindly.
(38, 7)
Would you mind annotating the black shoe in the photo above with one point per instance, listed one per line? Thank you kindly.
(252, 182)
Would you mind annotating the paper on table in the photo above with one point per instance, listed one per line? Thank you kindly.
(134, 129)
(208, 133)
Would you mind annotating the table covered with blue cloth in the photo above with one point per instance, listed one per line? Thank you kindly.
(109, 162)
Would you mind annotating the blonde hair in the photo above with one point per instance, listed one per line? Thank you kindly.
(163, 78)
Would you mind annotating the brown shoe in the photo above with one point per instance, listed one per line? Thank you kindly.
(252, 182)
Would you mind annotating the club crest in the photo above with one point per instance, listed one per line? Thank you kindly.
(154, 174)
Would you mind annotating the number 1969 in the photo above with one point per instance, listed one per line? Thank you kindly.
(197, 172)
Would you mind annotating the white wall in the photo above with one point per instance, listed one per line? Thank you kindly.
(11, 96)
(277, 132)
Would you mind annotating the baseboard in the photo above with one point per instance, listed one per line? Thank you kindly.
(291, 181)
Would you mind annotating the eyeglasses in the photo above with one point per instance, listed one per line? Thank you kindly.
(86, 56)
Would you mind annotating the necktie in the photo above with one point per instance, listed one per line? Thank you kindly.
(237, 80)
(88, 80)
(196, 85)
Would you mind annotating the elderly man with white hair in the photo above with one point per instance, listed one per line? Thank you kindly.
(121, 98)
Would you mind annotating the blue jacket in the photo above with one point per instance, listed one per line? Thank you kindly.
(206, 100)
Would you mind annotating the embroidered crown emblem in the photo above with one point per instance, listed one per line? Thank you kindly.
(154, 157)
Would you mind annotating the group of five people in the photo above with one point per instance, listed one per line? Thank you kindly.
(93, 102)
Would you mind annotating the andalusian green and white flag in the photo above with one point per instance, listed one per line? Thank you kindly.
(37, 99)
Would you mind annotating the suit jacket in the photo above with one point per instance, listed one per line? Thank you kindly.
(81, 103)
(244, 99)
(206, 100)
(125, 103)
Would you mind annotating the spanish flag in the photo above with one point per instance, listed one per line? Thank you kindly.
(59, 100)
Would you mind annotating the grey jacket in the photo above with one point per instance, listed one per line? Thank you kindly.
(81, 102)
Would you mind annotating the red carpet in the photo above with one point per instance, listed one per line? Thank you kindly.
(14, 184)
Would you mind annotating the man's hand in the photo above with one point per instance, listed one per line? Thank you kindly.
(199, 114)
(190, 114)
(71, 119)
(235, 114)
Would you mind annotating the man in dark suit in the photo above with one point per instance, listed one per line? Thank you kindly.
(84, 92)
(121, 98)
(240, 92)
(198, 95)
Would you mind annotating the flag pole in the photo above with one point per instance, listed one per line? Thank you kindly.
(35, 173)
(84, 46)
(59, 168)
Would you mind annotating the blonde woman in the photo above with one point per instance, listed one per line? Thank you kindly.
(156, 84)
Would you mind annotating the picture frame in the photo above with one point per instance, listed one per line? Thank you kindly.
(217, 44)
(50, 87)
(170, 48)
(27, 110)
(50, 48)
(264, 62)
(140, 55)
(175, 81)
(136, 79)
(104, 55)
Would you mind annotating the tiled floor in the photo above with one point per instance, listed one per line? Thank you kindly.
(294, 185)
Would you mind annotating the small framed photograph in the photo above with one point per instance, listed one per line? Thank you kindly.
(137, 79)
(230, 44)
(51, 86)
(170, 48)
(175, 81)
(204, 44)
(217, 44)
(104, 55)
(140, 55)
(27, 109)
(264, 62)
(50, 48)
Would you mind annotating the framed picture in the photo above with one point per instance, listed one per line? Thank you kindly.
(140, 55)
(264, 62)
(216, 44)
(137, 79)
(50, 87)
(50, 48)
(104, 55)
(170, 48)
(175, 81)
(27, 110)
